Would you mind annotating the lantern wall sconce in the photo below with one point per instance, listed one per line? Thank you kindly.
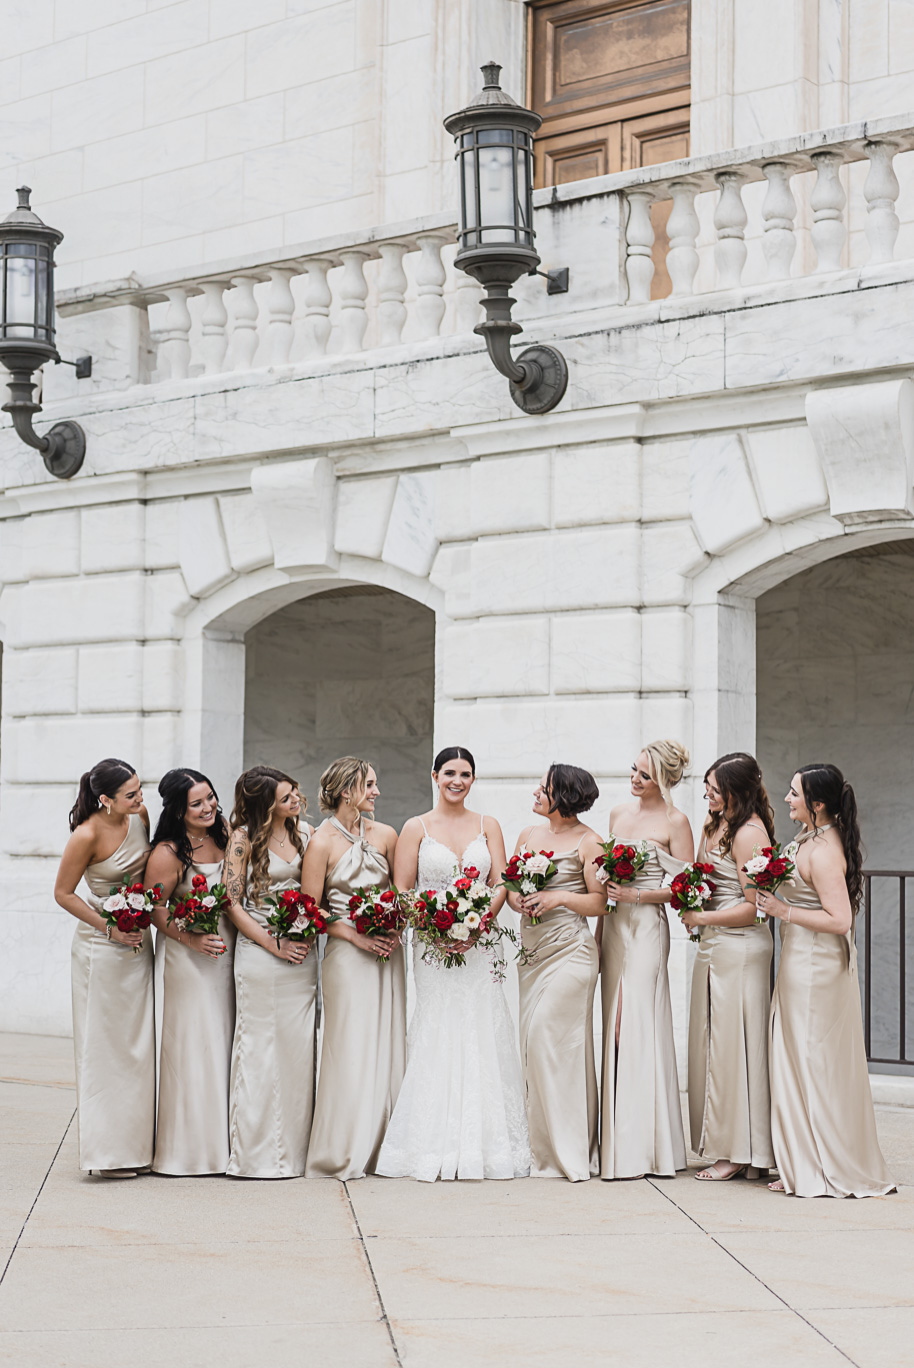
(27, 333)
(494, 137)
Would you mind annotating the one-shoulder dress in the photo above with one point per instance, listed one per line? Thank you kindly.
(195, 1057)
(641, 1114)
(822, 1122)
(114, 1024)
(363, 1051)
(556, 1034)
(729, 1108)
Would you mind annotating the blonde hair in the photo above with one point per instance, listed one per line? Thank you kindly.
(349, 772)
(667, 762)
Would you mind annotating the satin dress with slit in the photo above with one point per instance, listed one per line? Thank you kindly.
(822, 1120)
(363, 1050)
(556, 1034)
(198, 1025)
(272, 1074)
(114, 1024)
(729, 1106)
(641, 1128)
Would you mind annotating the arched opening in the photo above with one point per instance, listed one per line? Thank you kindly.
(835, 682)
(349, 671)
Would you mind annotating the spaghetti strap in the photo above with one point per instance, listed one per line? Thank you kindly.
(423, 826)
(482, 825)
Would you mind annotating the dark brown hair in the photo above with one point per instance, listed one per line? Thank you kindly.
(173, 790)
(571, 790)
(743, 792)
(255, 799)
(826, 784)
(106, 777)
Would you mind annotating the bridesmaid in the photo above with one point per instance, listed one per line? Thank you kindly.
(198, 987)
(272, 1075)
(363, 1055)
(642, 1116)
(822, 1120)
(558, 983)
(729, 1106)
(113, 1015)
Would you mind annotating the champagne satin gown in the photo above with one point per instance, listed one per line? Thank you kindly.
(272, 1075)
(642, 1118)
(114, 1024)
(556, 1035)
(729, 1106)
(363, 1052)
(822, 1120)
(198, 1024)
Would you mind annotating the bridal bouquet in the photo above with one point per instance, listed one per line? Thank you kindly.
(129, 908)
(377, 914)
(296, 916)
(529, 872)
(451, 922)
(691, 889)
(621, 862)
(200, 909)
(770, 867)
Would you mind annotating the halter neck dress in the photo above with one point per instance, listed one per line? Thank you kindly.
(363, 1051)
(198, 1024)
(729, 1107)
(556, 1034)
(460, 1112)
(641, 1128)
(114, 1024)
(822, 1121)
(272, 1074)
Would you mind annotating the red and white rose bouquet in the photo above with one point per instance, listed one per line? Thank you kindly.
(691, 889)
(128, 907)
(451, 922)
(529, 872)
(377, 913)
(770, 867)
(200, 909)
(296, 916)
(621, 861)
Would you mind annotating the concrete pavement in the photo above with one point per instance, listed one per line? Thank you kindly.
(374, 1274)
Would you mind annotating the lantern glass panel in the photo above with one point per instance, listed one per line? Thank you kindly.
(497, 191)
(21, 286)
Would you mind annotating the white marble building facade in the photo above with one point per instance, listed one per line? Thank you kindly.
(295, 439)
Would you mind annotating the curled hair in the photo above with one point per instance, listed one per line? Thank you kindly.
(106, 777)
(742, 790)
(571, 790)
(348, 773)
(173, 790)
(255, 800)
(453, 753)
(666, 762)
(826, 784)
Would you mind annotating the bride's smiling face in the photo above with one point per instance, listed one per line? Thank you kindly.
(454, 781)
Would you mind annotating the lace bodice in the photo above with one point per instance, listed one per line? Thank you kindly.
(438, 864)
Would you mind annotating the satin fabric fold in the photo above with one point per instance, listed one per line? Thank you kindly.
(198, 1026)
(114, 1025)
(822, 1121)
(729, 1105)
(556, 1035)
(363, 1050)
(641, 1129)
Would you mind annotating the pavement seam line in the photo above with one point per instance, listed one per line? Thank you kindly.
(377, 1290)
(729, 1252)
(37, 1195)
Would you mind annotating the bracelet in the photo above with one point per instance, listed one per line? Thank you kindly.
(108, 929)
(638, 892)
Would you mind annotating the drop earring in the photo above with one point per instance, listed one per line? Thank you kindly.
(107, 807)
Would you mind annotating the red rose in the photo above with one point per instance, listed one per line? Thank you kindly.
(706, 868)
(600, 860)
(389, 896)
(362, 925)
(471, 873)
(143, 920)
(764, 878)
(624, 871)
(354, 902)
(453, 907)
(444, 919)
(125, 922)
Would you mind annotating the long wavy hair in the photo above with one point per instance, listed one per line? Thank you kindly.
(255, 800)
(104, 778)
(743, 792)
(173, 790)
(826, 784)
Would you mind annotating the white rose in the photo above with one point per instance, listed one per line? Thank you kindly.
(137, 901)
(301, 923)
(116, 903)
(704, 892)
(537, 865)
(527, 886)
(472, 920)
(208, 901)
(602, 875)
(756, 864)
(459, 932)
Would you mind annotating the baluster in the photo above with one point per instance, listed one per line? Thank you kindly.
(353, 293)
(315, 326)
(467, 308)
(880, 190)
(430, 278)
(827, 201)
(639, 240)
(174, 347)
(281, 308)
(730, 222)
(778, 213)
(213, 321)
(391, 289)
(682, 230)
(244, 333)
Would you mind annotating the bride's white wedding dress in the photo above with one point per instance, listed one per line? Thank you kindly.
(460, 1112)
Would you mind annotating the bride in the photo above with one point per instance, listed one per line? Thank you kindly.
(460, 1112)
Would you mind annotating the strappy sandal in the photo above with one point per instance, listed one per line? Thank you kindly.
(713, 1175)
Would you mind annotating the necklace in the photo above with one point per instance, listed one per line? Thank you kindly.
(280, 843)
(197, 844)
